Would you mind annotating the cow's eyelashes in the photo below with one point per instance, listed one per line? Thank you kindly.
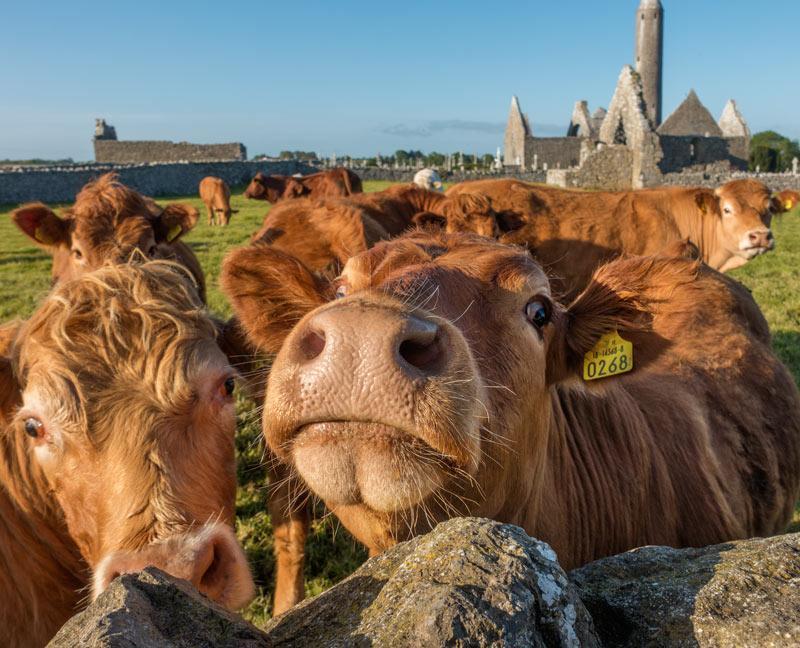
(33, 427)
(341, 291)
(537, 311)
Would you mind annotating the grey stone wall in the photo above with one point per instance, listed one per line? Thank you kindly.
(775, 181)
(685, 151)
(407, 175)
(142, 152)
(610, 168)
(61, 184)
(555, 152)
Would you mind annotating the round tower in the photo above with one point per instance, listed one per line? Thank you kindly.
(650, 55)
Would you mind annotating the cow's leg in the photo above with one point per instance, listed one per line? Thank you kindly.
(289, 508)
(210, 214)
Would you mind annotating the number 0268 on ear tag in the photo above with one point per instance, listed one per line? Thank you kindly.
(610, 356)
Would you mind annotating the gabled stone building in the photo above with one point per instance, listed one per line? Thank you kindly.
(628, 145)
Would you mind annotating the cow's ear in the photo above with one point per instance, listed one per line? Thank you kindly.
(294, 189)
(175, 221)
(41, 224)
(270, 292)
(779, 206)
(429, 220)
(707, 203)
(613, 301)
(509, 221)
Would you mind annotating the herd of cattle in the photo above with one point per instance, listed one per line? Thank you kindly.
(426, 354)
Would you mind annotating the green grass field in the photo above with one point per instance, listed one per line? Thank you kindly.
(331, 553)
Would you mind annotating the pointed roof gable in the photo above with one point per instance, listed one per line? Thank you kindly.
(690, 118)
(516, 120)
(732, 123)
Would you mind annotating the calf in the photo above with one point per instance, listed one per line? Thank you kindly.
(110, 223)
(572, 232)
(274, 188)
(116, 448)
(787, 200)
(447, 380)
(216, 195)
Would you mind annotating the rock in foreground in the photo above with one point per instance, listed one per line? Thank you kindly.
(469, 582)
(744, 593)
(151, 609)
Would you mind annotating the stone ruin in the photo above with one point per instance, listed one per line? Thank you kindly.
(627, 146)
(109, 150)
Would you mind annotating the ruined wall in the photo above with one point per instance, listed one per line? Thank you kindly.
(609, 168)
(685, 151)
(141, 152)
(61, 184)
(555, 152)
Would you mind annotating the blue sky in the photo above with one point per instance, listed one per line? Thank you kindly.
(365, 77)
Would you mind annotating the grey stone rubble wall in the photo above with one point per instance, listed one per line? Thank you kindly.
(407, 175)
(706, 178)
(144, 151)
(61, 184)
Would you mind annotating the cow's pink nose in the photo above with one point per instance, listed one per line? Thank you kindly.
(210, 559)
(410, 343)
(760, 238)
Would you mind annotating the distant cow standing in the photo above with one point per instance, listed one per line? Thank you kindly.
(110, 223)
(117, 425)
(572, 232)
(275, 188)
(446, 380)
(216, 195)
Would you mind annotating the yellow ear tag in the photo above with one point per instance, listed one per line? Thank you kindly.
(42, 236)
(610, 356)
(789, 204)
(174, 233)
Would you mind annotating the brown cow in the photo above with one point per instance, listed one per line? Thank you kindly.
(110, 223)
(572, 232)
(446, 380)
(274, 188)
(787, 200)
(216, 195)
(116, 448)
(323, 234)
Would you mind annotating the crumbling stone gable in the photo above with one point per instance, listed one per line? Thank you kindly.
(518, 130)
(581, 123)
(732, 123)
(690, 118)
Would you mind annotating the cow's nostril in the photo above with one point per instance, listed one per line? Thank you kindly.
(421, 354)
(312, 344)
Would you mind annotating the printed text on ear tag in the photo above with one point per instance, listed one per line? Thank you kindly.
(610, 356)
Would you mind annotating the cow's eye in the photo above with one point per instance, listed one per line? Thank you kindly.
(537, 312)
(227, 388)
(34, 428)
(151, 251)
(341, 291)
(727, 210)
(77, 253)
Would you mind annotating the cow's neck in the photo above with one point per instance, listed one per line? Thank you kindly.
(597, 477)
(41, 580)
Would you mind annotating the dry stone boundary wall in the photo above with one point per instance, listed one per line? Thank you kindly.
(61, 184)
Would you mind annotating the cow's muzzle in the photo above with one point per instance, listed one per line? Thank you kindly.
(210, 558)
